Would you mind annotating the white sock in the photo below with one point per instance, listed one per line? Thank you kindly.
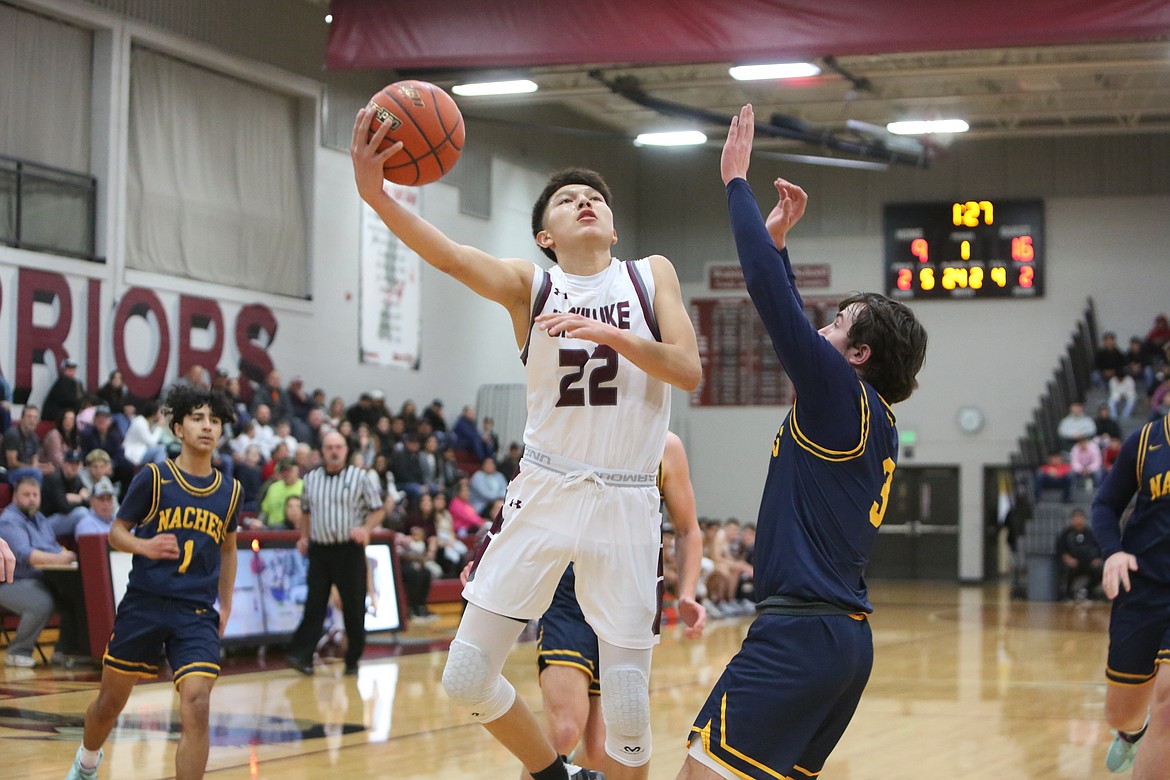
(89, 758)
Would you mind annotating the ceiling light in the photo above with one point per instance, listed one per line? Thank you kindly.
(328, 18)
(924, 126)
(675, 138)
(776, 70)
(515, 87)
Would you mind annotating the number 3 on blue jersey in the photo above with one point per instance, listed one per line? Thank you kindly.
(878, 510)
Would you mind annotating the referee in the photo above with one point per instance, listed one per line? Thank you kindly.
(342, 505)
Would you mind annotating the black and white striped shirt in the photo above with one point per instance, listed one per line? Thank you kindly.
(339, 502)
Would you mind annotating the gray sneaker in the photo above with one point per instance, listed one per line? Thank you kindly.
(581, 773)
(77, 773)
(1121, 754)
(18, 660)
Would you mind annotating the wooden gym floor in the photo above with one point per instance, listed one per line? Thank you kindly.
(967, 683)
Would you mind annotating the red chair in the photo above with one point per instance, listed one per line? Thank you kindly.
(5, 494)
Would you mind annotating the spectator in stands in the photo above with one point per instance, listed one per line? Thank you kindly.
(416, 577)
(288, 483)
(434, 415)
(64, 497)
(1085, 463)
(336, 412)
(465, 519)
(509, 462)
(114, 393)
(98, 464)
(406, 467)
(263, 435)
(1108, 361)
(487, 485)
(450, 472)
(104, 435)
(66, 392)
(1158, 336)
(143, 442)
(1107, 426)
(1110, 452)
(1075, 425)
(1080, 556)
(244, 439)
(1137, 356)
(294, 512)
(467, 436)
(99, 518)
(1160, 400)
(345, 428)
(220, 380)
(1122, 395)
(378, 404)
(362, 412)
(5, 404)
(299, 399)
(284, 435)
(22, 447)
(409, 416)
(247, 472)
(430, 461)
(491, 438)
(1055, 474)
(268, 470)
(61, 439)
(452, 553)
(275, 397)
(364, 446)
(31, 594)
(318, 426)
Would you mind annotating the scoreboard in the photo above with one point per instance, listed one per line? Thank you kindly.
(964, 249)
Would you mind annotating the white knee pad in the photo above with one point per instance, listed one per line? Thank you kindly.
(625, 703)
(469, 681)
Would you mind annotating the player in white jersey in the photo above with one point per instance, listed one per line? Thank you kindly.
(601, 340)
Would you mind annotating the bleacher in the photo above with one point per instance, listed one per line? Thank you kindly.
(1037, 567)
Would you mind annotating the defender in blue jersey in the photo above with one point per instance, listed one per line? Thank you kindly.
(179, 521)
(567, 653)
(1137, 577)
(785, 699)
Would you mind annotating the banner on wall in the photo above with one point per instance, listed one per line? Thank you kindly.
(390, 307)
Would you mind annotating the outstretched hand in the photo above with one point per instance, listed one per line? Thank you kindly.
(367, 160)
(787, 212)
(737, 150)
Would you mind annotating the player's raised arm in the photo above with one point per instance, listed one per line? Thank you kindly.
(506, 282)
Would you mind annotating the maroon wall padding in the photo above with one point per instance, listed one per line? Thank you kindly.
(403, 34)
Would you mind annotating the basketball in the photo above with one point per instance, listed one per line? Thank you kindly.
(427, 122)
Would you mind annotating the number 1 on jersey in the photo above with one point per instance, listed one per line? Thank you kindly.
(188, 550)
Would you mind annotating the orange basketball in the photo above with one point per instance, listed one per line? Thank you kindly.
(428, 123)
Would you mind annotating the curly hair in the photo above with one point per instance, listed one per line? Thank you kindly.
(184, 399)
(897, 343)
(555, 182)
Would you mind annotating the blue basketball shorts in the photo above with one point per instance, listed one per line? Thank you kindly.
(147, 625)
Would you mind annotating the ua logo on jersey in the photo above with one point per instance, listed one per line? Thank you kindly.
(515, 503)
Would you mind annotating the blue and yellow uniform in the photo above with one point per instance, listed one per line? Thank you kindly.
(170, 604)
(1139, 626)
(565, 638)
(785, 699)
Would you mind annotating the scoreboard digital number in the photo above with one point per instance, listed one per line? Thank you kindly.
(965, 249)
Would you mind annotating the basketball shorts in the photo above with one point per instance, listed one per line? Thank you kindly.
(147, 625)
(565, 638)
(784, 700)
(1139, 632)
(612, 534)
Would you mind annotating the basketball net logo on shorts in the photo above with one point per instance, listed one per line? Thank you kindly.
(383, 115)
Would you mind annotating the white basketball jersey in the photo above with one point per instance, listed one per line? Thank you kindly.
(585, 401)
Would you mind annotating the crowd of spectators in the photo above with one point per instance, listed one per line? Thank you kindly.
(81, 448)
(1138, 378)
